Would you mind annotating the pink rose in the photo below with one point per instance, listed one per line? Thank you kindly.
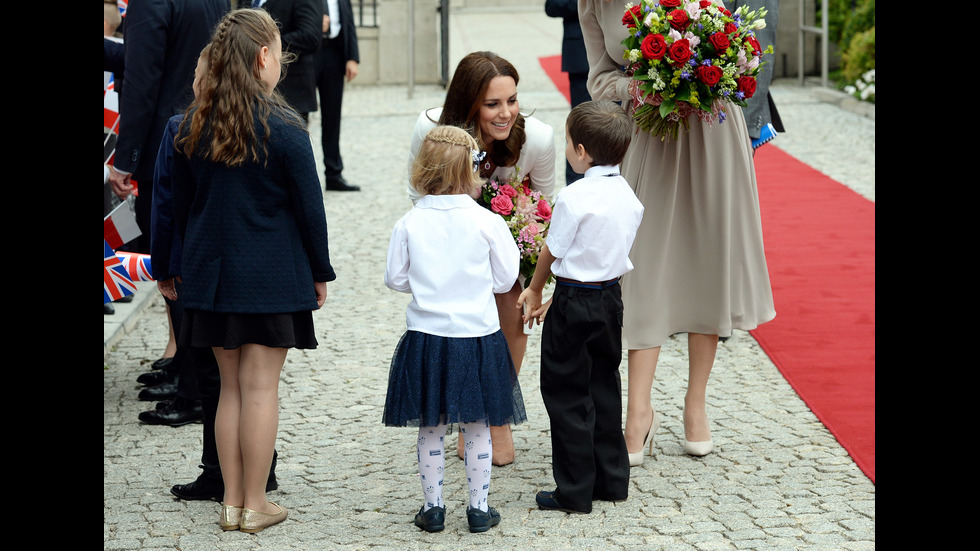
(544, 210)
(508, 190)
(532, 229)
(502, 205)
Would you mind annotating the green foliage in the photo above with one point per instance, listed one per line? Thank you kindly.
(859, 20)
(859, 56)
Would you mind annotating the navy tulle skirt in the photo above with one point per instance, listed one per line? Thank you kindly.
(437, 379)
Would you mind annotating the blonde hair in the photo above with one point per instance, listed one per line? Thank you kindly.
(444, 165)
(221, 122)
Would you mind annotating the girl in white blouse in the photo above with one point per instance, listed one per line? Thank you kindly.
(453, 364)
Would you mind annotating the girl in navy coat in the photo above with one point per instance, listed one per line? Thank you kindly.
(255, 261)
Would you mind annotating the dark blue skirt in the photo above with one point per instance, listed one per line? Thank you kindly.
(437, 379)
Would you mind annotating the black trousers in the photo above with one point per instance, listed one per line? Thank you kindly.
(581, 350)
(331, 69)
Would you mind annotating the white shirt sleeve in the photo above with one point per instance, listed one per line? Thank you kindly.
(396, 272)
(505, 258)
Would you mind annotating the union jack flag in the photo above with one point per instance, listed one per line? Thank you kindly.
(137, 266)
(116, 281)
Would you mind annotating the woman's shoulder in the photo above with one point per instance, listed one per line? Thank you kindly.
(537, 131)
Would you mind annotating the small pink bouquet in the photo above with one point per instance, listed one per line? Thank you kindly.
(526, 212)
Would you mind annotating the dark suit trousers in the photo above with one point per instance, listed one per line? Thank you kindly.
(331, 68)
(581, 350)
(199, 380)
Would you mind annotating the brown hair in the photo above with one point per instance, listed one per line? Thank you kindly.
(465, 97)
(223, 117)
(444, 165)
(603, 128)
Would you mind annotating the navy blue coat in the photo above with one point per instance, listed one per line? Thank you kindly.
(255, 236)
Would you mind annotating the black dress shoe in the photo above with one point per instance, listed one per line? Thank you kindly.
(162, 363)
(177, 414)
(108, 309)
(433, 520)
(205, 487)
(154, 378)
(165, 391)
(549, 501)
(164, 404)
(339, 184)
(481, 521)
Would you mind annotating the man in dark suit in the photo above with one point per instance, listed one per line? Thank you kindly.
(299, 24)
(574, 60)
(338, 59)
(163, 39)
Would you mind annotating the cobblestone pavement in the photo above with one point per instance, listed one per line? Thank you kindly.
(777, 479)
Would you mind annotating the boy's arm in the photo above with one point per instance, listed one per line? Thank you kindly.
(531, 297)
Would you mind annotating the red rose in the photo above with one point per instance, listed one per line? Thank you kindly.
(502, 205)
(708, 74)
(724, 11)
(705, 3)
(628, 17)
(756, 47)
(720, 42)
(679, 19)
(670, 3)
(680, 52)
(507, 190)
(731, 28)
(544, 210)
(654, 46)
(746, 85)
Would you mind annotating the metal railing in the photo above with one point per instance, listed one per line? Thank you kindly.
(822, 33)
(365, 13)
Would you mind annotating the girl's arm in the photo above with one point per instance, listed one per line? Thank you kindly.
(607, 81)
(396, 272)
(307, 199)
(505, 259)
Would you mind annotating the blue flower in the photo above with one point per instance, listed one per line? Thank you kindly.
(685, 75)
(739, 95)
(721, 116)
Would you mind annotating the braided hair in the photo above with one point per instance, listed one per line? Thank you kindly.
(220, 123)
(444, 165)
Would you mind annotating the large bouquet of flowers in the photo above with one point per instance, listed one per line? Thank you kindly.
(526, 212)
(689, 56)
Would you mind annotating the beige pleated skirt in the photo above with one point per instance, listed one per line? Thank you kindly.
(700, 266)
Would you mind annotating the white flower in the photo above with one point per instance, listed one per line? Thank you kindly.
(868, 92)
(758, 24)
(634, 56)
(692, 39)
(850, 90)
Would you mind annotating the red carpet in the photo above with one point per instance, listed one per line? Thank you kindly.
(552, 67)
(820, 245)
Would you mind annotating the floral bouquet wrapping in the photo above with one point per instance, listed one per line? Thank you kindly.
(689, 56)
(526, 212)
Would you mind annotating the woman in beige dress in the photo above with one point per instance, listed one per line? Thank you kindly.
(699, 262)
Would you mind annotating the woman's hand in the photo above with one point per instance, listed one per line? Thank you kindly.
(321, 292)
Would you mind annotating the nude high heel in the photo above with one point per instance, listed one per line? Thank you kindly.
(636, 459)
(698, 449)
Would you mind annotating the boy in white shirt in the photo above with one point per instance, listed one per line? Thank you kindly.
(592, 229)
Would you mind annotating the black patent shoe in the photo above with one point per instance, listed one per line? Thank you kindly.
(481, 521)
(205, 487)
(154, 378)
(177, 414)
(164, 391)
(549, 501)
(433, 520)
(162, 363)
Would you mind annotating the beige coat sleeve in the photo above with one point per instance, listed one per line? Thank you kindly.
(602, 30)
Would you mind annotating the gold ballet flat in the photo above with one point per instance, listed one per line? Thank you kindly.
(231, 517)
(256, 521)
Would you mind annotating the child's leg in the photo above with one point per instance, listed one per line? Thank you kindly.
(478, 461)
(432, 463)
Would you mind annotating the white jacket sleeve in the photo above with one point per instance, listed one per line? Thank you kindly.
(396, 272)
